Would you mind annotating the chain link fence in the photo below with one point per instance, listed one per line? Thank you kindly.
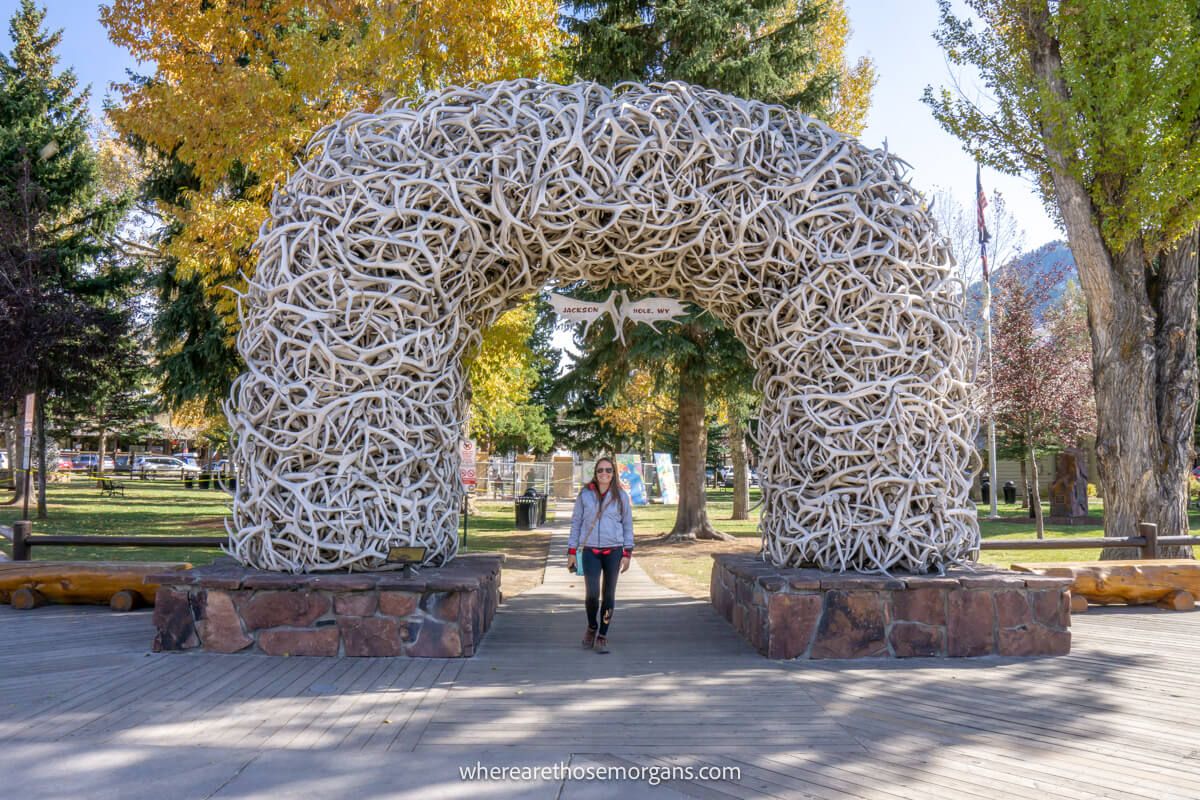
(504, 479)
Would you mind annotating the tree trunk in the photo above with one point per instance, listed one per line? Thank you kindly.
(1037, 494)
(741, 482)
(1142, 318)
(10, 443)
(17, 451)
(40, 414)
(1173, 294)
(1146, 396)
(1024, 485)
(691, 516)
(100, 458)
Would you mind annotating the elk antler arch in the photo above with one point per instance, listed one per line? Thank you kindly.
(409, 230)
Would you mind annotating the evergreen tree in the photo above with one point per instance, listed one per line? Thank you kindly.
(761, 49)
(196, 356)
(62, 308)
(748, 48)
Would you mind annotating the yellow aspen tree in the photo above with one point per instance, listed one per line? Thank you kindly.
(240, 86)
(502, 374)
(640, 408)
(847, 109)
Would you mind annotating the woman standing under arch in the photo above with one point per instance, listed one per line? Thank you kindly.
(602, 527)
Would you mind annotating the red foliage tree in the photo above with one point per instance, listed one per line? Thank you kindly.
(1042, 359)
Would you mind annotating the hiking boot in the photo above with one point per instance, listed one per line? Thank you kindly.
(589, 638)
(601, 644)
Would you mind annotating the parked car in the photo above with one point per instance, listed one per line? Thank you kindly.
(188, 458)
(224, 473)
(3, 459)
(727, 477)
(753, 478)
(163, 466)
(88, 461)
(221, 466)
(123, 464)
(64, 464)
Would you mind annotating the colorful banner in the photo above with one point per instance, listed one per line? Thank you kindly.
(629, 472)
(666, 478)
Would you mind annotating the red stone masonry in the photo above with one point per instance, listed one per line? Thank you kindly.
(437, 612)
(808, 613)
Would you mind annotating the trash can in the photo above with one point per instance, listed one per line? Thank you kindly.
(527, 512)
(985, 490)
(1010, 492)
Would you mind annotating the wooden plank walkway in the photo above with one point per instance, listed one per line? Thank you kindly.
(86, 709)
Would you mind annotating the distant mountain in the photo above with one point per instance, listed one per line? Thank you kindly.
(1044, 260)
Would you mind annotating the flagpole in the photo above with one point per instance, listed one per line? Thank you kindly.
(987, 335)
(984, 238)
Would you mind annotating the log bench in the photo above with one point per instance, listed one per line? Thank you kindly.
(117, 584)
(1172, 583)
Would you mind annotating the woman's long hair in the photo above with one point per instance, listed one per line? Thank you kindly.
(614, 486)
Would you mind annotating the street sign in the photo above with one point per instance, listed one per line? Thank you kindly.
(27, 433)
(467, 465)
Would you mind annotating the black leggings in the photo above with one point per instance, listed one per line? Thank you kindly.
(593, 564)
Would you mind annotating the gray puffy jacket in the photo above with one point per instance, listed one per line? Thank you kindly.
(614, 528)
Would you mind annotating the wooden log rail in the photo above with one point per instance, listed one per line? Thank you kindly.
(1147, 542)
(121, 585)
(23, 540)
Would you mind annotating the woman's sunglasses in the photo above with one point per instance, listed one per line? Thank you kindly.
(603, 469)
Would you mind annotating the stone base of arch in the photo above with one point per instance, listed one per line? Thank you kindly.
(441, 612)
(790, 613)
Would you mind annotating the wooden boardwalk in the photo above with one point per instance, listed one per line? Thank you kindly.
(86, 710)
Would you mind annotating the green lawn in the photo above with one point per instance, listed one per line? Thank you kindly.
(1024, 528)
(149, 508)
(153, 508)
(491, 527)
(655, 520)
(166, 508)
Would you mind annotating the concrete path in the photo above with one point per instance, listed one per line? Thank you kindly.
(87, 711)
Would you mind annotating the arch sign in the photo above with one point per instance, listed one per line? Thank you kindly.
(409, 230)
(648, 310)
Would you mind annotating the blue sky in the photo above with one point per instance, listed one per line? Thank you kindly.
(895, 33)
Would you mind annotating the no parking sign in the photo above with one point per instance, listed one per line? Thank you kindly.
(467, 466)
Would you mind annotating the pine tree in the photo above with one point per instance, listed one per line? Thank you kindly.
(749, 49)
(61, 308)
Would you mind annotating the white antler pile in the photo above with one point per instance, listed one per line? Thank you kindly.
(409, 230)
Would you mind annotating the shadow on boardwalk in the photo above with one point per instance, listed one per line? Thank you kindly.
(86, 710)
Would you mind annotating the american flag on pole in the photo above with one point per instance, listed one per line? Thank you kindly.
(984, 237)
